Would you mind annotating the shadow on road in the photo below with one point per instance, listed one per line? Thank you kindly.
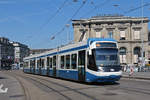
(93, 83)
(104, 83)
(3, 78)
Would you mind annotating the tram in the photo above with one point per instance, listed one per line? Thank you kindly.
(95, 60)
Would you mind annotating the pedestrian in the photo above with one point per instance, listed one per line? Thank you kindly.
(131, 71)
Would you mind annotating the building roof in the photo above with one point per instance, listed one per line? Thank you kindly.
(110, 18)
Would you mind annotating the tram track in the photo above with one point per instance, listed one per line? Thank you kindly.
(136, 90)
(131, 89)
(26, 93)
(43, 82)
(64, 90)
(125, 88)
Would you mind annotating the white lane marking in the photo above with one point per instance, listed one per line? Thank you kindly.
(3, 90)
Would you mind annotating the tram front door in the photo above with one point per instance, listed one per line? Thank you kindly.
(81, 65)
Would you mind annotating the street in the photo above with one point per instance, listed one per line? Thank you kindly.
(23, 86)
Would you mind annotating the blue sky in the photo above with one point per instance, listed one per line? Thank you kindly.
(33, 22)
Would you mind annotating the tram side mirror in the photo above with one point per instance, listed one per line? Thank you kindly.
(90, 52)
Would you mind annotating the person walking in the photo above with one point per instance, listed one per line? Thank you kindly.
(131, 71)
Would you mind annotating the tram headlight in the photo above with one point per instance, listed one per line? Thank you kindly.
(100, 69)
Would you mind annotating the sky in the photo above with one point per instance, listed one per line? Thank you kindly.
(35, 22)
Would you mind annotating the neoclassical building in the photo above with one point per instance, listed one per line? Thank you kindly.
(128, 31)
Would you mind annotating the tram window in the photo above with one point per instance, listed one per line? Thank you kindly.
(113, 57)
(62, 62)
(30, 63)
(25, 64)
(50, 62)
(33, 63)
(54, 61)
(67, 61)
(81, 60)
(91, 62)
(101, 57)
(38, 63)
(42, 63)
(74, 61)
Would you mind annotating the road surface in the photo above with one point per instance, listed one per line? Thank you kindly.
(23, 86)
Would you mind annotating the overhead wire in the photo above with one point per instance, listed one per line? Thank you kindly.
(139, 7)
(83, 3)
(96, 7)
(52, 16)
(54, 35)
(63, 28)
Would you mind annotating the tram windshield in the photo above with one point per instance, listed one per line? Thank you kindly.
(103, 57)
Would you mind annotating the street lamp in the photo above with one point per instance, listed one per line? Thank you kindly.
(117, 6)
(52, 38)
(142, 41)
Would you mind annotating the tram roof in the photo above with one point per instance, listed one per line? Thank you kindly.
(101, 39)
(69, 46)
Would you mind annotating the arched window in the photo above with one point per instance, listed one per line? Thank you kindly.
(137, 51)
(137, 54)
(122, 52)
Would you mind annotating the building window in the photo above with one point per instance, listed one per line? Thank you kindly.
(122, 35)
(98, 34)
(122, 52)
(137, 54)
(136, 34)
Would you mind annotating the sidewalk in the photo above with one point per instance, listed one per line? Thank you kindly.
(137, 75)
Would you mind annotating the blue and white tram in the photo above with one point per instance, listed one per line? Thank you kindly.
(95, 60)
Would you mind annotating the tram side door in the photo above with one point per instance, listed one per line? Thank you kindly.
(81, 65)
(54, 66)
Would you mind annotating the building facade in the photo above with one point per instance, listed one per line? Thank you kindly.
(20, 51)
(128, 31)
(6, 53)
